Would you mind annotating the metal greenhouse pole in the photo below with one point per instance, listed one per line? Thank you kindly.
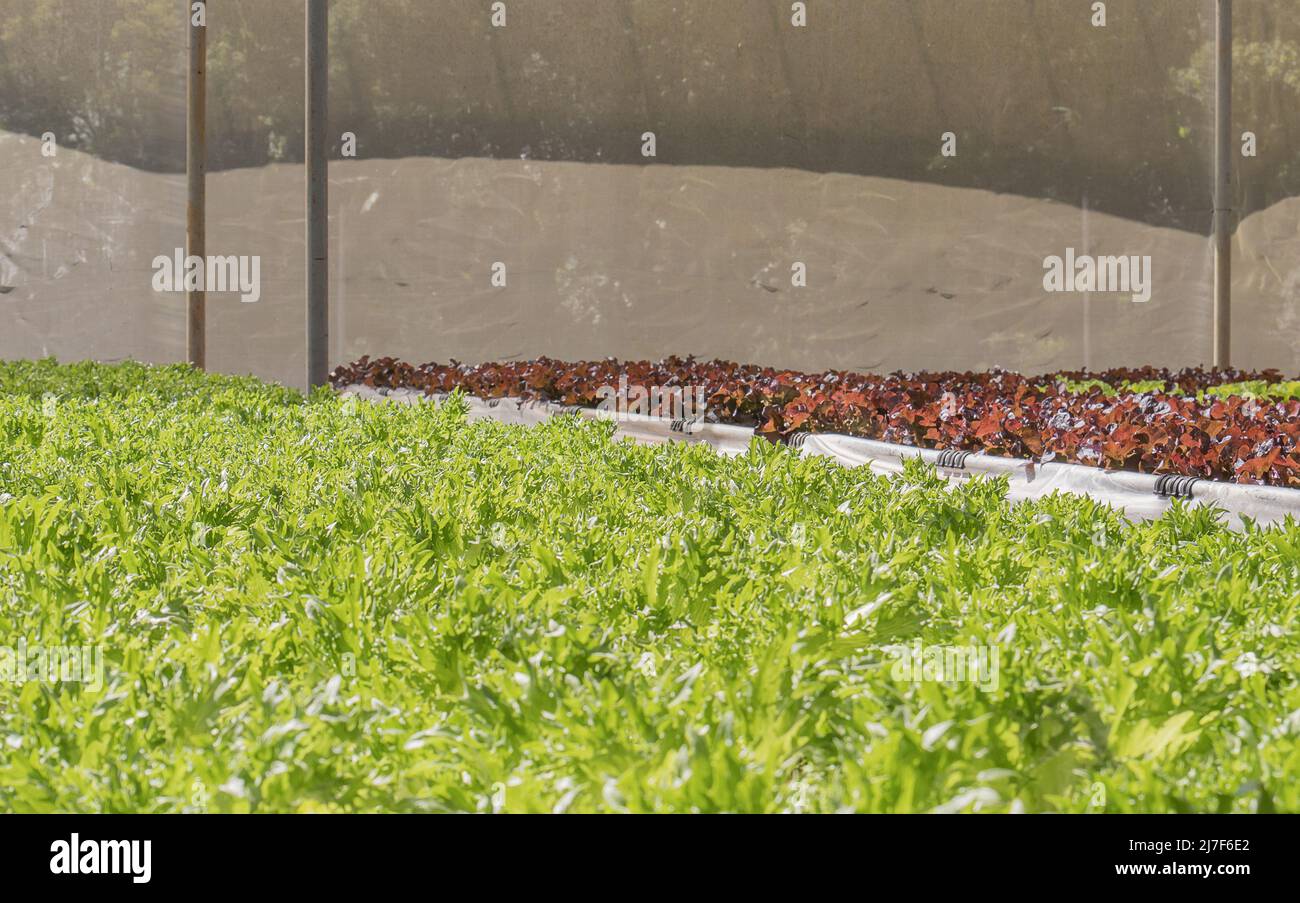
(196, 169)
(1223, 149)
(317, 193)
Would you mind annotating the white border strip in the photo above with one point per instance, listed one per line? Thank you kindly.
(1134, 493)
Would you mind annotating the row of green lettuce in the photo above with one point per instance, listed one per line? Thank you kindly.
(326, 605)
(1257, 389)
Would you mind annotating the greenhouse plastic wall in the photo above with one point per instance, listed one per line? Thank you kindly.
(92, 186)
(1266, 176)
(875, 186)
(861, 184)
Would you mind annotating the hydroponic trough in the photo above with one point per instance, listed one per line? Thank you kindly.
(1139, 495)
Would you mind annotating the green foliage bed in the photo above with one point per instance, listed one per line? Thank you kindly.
(332, 606)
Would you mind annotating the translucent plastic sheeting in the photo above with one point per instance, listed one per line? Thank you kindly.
(1266, 181)
(877, 186)
(92, 155)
